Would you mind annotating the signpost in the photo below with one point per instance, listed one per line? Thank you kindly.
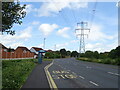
(40, 54)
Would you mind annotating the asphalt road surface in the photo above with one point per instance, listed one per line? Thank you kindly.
(71, 73)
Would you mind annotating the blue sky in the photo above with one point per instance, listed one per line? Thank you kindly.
(57, 23)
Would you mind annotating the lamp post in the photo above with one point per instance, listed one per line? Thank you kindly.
(44, 44)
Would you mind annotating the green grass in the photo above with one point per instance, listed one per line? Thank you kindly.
(104, 61)
(15, 72)
(47, 59)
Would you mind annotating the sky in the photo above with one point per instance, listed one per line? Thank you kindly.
(57, 23)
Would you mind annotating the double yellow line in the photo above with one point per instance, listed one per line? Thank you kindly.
(51, 82)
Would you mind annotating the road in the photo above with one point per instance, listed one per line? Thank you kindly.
(71, 73)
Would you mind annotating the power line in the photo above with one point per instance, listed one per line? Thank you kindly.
(73, 13)
(93, 14)
(66, 21)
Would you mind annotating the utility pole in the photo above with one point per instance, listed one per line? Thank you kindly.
(44, 44)
(81, 28)
(55, 47)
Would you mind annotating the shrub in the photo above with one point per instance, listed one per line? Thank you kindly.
(15, 72)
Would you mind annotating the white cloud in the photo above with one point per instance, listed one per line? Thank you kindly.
(17, 39)
(35, 23)
(101, 47)
(46, 29)
(15, 45)
(96, 34)
(62, 45)
(118, 4)
(52, 8)
(25, 34)
(74, 41)
(64, 32)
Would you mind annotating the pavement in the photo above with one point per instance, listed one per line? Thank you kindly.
(71, 73)
(37, 78)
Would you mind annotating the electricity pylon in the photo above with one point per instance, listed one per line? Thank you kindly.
(81, 28)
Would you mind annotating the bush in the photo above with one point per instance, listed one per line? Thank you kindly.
(15, 72)
(106, 61)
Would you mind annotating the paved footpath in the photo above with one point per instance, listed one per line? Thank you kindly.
(37, 78)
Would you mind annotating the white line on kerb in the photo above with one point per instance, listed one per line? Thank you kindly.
(81, 77)
(114, 73)
(93, 83)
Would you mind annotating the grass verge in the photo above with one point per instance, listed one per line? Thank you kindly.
(47, 59)
(15, 72)
(104, 61)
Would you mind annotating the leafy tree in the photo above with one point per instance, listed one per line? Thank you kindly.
(82, 55)
(112, 54)
(89, 54)
(56, 55)
(12, 12)
(69, 53)
(49, 55)
(103, 55)
(118, 52)
(63, 53)
(74, 54)
(96, 54)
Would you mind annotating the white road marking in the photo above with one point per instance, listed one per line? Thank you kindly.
(88, 67)
(114, 73)
(94, 83)
(81, 77)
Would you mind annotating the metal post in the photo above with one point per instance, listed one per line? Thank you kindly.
(44, 44)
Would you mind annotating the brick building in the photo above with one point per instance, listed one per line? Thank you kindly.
(35, 51)
(23, 52)
(19, 52)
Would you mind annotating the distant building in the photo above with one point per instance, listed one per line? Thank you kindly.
(3, 51)
(35, 50)
(48, 50)
(23, 52)
(19, 52)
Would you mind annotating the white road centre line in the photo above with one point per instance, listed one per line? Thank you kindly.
(114, 73)
(81, 77)
(88, 67)
(94, 83)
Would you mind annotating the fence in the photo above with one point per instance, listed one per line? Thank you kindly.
(7, 55)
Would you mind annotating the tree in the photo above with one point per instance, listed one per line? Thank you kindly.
(89, 54)
(82, 54)
(96, 54)
(112, 54)
(49, 55)
(103, 55)
(118, 52)
(68, 53)
(12, 12)
(74, 54)
(63, 53)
